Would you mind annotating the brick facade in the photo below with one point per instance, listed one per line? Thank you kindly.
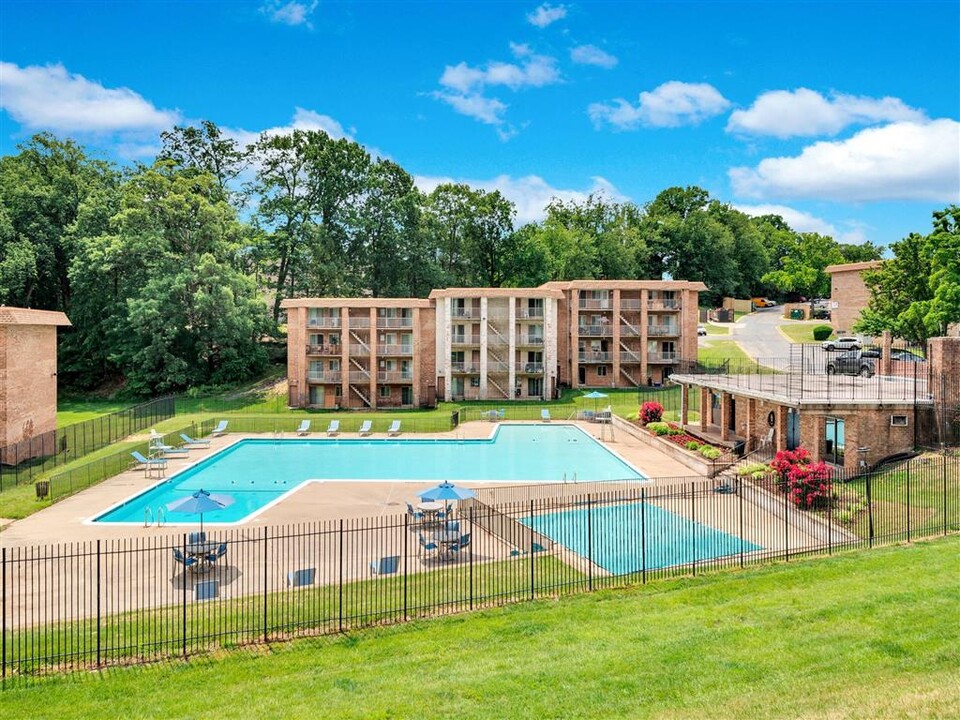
(848, 294)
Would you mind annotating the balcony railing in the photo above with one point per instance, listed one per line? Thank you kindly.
(394, 322)
(629, 331)
(591, 304)
(392, 376)
(533, 368)
(663, 356)
(523, 339)
(323, 322)
(394, 349)
(359, 376)
(629, 358)
(597, 330)
(629, 304)
(359, 350)
(323, 349)
(465, 368)
(530, 313)
(359, 323)
(461, 339)
(327, 376)
(465, 313)
(662, 330)
(663, 304)
(598, 356)
(496, 366)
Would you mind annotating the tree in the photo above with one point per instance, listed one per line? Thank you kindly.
(802, 268)
(207, 150)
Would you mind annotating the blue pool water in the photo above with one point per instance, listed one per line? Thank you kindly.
(615, 544)
(258, 472)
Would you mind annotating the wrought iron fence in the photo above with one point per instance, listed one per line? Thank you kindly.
(24, 461)
(100, 603)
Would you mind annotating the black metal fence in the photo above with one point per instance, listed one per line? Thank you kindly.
(25, 460)
(106, 602)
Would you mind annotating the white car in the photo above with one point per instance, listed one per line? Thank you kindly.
(701, 331)
(842, 343)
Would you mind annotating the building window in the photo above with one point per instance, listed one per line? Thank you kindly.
(384, 391)
(601, 370)
(337, 391)
(898, 420)
(834, 440)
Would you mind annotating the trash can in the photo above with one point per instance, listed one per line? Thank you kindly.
(797, 314)
(739, 447)
(43, 488)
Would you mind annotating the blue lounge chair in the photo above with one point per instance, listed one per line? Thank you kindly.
(190, 442)
(501, 414)
(394, 428)
(146, 462)
(187, 562)
(301, 578)
(304, 428)
(545, 415)
(365, 428)
(333, 428)
(220, 429)
(385, 565)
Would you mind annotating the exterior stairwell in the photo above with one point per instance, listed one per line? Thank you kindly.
(493, 383)
(634, 330)
(359, 341)
(629, 377)
(360, 394)
(498, 337)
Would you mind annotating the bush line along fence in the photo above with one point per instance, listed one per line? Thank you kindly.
(24, 461)
(95, 604)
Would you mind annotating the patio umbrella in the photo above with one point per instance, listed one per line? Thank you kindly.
(595, 396)
(446, 491)
(200, 502)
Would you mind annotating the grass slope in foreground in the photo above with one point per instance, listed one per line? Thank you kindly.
(869, 635)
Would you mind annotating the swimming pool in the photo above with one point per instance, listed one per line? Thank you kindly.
(615, 539)
(258, 472)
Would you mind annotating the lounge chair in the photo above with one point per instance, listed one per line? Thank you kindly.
(190, 442)
(220, 429)
(165, 449)
(301, 578)
(385, 565)
(333, 428)
(394, 428)
(146, 462)
(304, 428)
(545, 415)
(187, 562)
(365, 427)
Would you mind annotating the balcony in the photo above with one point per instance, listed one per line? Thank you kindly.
(592, 304)
(394, 349)
(631, 304)
(533, 368)
(662, 331)
(394, 322)
(629, 331)
(327, 376)
(596, 330)
(359, 323)
(663, 305)
(465, 313)
(465, 368)
(629, 358)
(524, 339)
(323, 350)
(395, 376)
(359, 350)
(591, 356)
(497, 366)
(529, 313)
(462, 339)
(323, 322)
(662, 357)
(360, 377)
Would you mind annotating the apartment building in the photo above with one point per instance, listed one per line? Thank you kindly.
(496, 343)
(488, 343)
(360, 353)
(625, 333)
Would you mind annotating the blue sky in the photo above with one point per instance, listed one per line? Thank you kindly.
(842, 116)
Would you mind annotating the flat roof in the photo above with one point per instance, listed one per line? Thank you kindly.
(853, 267)
(472, 292)
(354, 302)
(626, 285)
(24, 316)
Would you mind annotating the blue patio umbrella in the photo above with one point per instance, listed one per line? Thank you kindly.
(447, 491)
(199, 503)
(595, 395)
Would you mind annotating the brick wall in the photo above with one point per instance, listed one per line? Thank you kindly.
(28, 391)
(848, 294)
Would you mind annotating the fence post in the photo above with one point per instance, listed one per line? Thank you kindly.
(532, 578)
(99, 640)
(908, 499)
(739, 482)
(945, 524)
(643, 535)
(265, 569)
(406, 537)
(3, 613)
(869, 513)
(693, 524)
(786, 527)
(473, 537)
(183, 549)
(589, 543)
(340, 603)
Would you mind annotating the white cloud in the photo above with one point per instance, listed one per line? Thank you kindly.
(547, 14)
(302, 120)
(292, 13)
(530, 194)
(51, 98)
(804, 112)
(672, 104)
(900, 161)
(486, 110)
(805, 222)
(592, 55)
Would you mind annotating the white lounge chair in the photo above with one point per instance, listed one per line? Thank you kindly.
(220, 429)
(394, 428)
(304, 428)
(165, 449)
(190, 442)
(333, 428)
(545, 415)
(365, 427)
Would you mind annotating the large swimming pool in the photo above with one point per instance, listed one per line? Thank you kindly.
(257, 473)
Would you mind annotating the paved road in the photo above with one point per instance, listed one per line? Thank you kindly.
(758, 335)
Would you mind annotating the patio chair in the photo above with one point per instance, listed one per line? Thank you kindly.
(187, 562)
(545, 415)
(501, 414)
(365, 428)
(452, 525)
(147, 463)
(220, 429)
(385, 565)
(425, 546)
(333, 428)
(414, 513)
(190, 442)
(196, 537)
(217, 554)
(462, 543)
(207, 590)
(304, 428)
(302, 577)
(394, 428)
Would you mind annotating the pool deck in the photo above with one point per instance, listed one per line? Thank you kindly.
(67, 520)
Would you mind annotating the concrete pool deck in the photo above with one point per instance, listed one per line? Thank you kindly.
(66, 521)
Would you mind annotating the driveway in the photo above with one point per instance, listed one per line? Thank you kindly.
(757, 334)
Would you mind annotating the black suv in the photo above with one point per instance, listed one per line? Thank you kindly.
(852, 362)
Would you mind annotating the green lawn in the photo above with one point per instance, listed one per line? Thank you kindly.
(717, 329)
(862, 635)
(71, 411)
(801, 332)
(715, 352)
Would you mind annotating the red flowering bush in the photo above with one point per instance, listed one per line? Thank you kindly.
(807, 484)
(651, 411)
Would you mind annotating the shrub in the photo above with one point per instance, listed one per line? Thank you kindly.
(822, 332)
(693, 445)
(753, 469)
(675, 430)
(658, 428)
(710, 452)
(650, 412)
(807, 484)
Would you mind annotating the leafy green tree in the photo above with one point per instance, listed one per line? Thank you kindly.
(207, 150)
(801, 270)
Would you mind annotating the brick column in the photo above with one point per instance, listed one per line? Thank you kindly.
(684, 405)
(751, 420)
(886, 364)
(781, 428)
(724, 416)
(704, 408)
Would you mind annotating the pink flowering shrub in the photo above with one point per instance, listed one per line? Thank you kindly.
(651, 411)
(807, 484)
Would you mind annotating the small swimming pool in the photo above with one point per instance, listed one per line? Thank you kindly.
(615, 538)
(259, 472)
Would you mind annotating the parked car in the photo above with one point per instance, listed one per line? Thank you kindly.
(871, 351)
(842, 343)
(852, 362)
(821, 313)
(762, 302)
(701, 331)
(905, 355)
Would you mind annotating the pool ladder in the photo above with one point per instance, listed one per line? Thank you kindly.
(572, 479)
(149, 517)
